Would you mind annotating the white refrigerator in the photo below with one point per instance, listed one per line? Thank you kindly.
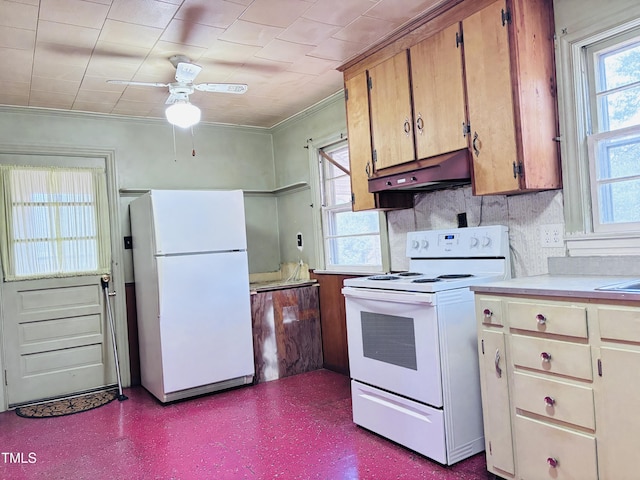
(192, 291)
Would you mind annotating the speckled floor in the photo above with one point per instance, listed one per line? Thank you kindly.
(295, 428)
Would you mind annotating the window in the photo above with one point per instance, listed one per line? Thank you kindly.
(57, 222)
(599, 99)
(351, 240)
(614, 140)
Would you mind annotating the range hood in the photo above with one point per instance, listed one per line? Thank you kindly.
(435, 173)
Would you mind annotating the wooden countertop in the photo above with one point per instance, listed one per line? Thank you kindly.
(568, 286)
(279, 285)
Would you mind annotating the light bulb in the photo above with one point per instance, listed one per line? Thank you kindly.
(183, 114)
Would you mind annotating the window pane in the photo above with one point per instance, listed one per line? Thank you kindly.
(337, 191)
(620, 67)
(353, 223)
(619, 110)
(619, 202)
(79, 256)
(77, 221)
(356, 251)
(619, 157)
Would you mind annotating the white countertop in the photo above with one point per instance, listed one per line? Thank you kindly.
(577, 286)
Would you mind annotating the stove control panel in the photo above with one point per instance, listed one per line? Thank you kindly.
(488, 241)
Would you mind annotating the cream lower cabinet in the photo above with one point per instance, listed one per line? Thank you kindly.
(560, 387)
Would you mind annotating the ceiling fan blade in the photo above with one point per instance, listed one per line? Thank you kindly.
(138, 84)
(237, 88)
(187, 72)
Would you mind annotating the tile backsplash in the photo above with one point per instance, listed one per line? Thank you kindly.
(524, 215)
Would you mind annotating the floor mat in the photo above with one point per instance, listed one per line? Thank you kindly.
(67, 406)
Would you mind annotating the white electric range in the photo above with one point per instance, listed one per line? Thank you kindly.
(413, 345)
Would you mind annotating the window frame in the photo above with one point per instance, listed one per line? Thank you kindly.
(316, 178)
(583, 238)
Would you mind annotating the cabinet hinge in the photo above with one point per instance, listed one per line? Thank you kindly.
(346, 94)
(5, 378)
(599, 367)
(482, 344)
(370, 83)
(518, 169)
(490, 449)
(458, 39)
(466, 129)
(506, 17)
(375, 156)
(353, 198)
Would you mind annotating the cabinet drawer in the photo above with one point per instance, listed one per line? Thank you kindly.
(538, 445)
(557, 319)
(558, 400)
(552, 356)
(619, 323)
(489, 310)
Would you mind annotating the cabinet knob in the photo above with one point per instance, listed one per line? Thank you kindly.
(497, 363)
(541, 319)
(407, 127)
(549, 401)
(487, 313)
(552, 462)
(546, 357)
(474, 144)
(420, 124)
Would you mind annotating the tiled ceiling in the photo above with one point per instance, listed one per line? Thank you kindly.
(60, 53)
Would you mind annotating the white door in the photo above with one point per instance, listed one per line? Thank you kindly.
(205, 319)
(216, 216)
(55, 336)
(393, 344)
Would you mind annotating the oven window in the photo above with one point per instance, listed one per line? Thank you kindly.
(389, 338)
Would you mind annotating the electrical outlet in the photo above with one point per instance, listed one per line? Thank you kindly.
(552, 235)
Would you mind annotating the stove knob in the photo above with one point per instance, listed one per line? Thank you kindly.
(425, 244)
(486, 241)
(415, 244)
(474, 242)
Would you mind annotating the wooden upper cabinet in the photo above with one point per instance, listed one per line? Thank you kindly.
(511, 97)
(438, 93)
(391, 117)
(360, 158)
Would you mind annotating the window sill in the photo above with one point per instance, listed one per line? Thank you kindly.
(581, 245)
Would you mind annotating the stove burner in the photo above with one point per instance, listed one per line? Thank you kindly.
(425, 280)
(408, 274)
(455, 275)
(384, 277)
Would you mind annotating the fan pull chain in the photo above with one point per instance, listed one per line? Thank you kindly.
(175, 153)
(193, 145)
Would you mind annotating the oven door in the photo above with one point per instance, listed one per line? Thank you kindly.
(393, 344)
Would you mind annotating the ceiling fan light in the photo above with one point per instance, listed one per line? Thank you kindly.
(183, 114)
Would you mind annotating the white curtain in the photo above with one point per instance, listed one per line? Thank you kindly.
(56, 222)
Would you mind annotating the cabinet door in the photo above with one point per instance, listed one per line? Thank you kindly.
(495, 402)
(391, 119)
(438, 93)
(617, 421)
(490, 101)
(360, 159)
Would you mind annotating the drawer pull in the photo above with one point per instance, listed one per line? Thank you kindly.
(552, 462)
(541, 319)
(497, 362)
(546, 357)
(487, 313)
(549, 401)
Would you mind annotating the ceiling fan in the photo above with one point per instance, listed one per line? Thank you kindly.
(181, 112)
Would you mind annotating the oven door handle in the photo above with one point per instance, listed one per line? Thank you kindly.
(388, 295)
